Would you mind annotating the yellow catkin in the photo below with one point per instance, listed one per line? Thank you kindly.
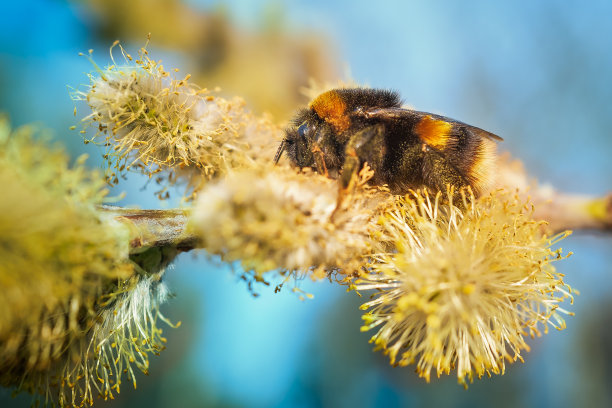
(169, 128)
(277, 219)
(463, 284)
(70, 298)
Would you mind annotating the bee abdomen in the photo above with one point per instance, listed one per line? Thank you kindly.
(455, 154)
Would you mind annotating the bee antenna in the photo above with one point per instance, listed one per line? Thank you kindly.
(280, 151)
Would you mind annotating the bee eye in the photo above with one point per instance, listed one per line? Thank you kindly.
(303, 130)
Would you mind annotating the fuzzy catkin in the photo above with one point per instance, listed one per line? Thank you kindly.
(170, 129)
(75, 316)
(276, 219)
(463, 284)
(453, 284)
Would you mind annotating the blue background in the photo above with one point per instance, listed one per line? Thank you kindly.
(537, 73)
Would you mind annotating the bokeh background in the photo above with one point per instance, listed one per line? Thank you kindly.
(537, 73)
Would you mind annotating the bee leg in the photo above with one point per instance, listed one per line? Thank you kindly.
(319, 158)
(350, 169)
(367, 145)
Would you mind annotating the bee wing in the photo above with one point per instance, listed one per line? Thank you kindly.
(399, 113)
(483, 133)
(475, 130)
(470, 162)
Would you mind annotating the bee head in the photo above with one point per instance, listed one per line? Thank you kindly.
(327, 124)
(299, 138)
(298, 143)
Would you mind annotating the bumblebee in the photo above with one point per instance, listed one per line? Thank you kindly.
(342, 129)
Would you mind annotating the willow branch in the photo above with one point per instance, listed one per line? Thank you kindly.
(155, 228)
(562, 210)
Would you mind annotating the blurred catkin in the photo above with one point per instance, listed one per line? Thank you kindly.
(266, 65)
(277, 219)
(74, 313)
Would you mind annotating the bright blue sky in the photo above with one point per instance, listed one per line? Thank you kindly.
(537, 73)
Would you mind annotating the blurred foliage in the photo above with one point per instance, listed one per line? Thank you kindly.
(266, 67)
(596, 338)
